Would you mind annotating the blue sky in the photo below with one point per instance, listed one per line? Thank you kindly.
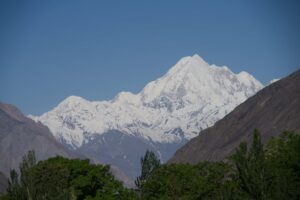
(50, 50)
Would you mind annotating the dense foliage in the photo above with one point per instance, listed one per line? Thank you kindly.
(62, 179)
(255, 172)
(149, 163)
(272, 172)
(184, 181)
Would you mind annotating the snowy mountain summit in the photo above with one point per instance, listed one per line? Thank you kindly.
(191, 96)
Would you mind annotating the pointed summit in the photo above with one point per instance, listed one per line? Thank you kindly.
(187, 60)
(194, 78)
(199, 59)
(187, 64)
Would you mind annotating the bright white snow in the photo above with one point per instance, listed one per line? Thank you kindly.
(192, 95)
(274, 80)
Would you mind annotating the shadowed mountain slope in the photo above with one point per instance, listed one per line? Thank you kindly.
(19, 134)
(3, 183)
(272, 110)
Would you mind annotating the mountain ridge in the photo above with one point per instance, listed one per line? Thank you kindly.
(165, 114)
(272, 110)
(158, 98)
(19, 134)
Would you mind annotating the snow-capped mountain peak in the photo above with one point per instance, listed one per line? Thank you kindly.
(191, 96)
(185, 73)
(189, 63)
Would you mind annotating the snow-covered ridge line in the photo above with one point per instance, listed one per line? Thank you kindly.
(191, 96)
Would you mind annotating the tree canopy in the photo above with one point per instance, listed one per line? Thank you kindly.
(258, 172)
(254, 171)
(149, 163)
(60, 178)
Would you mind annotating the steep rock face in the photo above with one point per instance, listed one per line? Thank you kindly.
(169, 111)
(19, 134)
(272, 110)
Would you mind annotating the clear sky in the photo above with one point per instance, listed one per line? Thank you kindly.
(52, 49)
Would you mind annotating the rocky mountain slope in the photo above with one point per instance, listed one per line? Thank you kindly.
(169, 111)
(3, 184)
(19, 134)
(272, 110)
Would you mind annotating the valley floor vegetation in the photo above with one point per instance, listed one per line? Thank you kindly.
(258, 172)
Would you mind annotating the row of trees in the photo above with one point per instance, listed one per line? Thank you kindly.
(256, 172)
(64, 179)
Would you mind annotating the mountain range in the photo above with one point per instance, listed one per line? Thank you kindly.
(19, 134)
(167, 113)
(272, 110)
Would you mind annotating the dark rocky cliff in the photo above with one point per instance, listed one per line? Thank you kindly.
(272, 110)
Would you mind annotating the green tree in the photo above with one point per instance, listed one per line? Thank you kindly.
(60, 178)
(259, 172)
(50, 181)
(251, 168)
(184, 181)
(22, 187)
(15, 191)
(78, 179)
(283, 163)
(149, 163)
(26, 178)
